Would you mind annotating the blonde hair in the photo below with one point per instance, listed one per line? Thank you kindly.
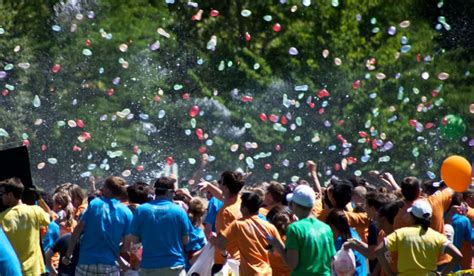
(197, 209)
(63, 199)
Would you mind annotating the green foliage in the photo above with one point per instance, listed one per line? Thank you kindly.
(153, 83)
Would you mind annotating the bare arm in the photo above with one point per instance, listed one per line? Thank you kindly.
(214, 190)
(47, 256)
(457, 256)
(359, 246)
(200, 171)
(290, 256)
(314, 176)
(380, 253)
(76, 234)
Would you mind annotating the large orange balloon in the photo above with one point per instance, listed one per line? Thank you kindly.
(456, 173)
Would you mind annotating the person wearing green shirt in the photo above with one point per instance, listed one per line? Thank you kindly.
(309, 248)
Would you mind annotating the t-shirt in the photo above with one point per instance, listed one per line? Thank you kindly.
(79, 211)
(213, 208)
(197, 239)
(229, 212)
(9, 264)
(462, 239)
(359, 221)
(440, 202)
(106, 222)
(21, 224)
(418, 250)
(161, 225)
(250, 235)
(51, 236)
(314, 242)
(361, 267)
(61, 247)
(470, 216)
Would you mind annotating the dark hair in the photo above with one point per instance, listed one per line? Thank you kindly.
(457, 199)
(137, 193)
(342, 192)
(389, 211)
(338, 219)
(376, 199)
(116, 185)
(13, 185)
(358, 181)
(410, 188)
(277, 191)
(424, 222)
(326, 198)
(251, 201)
(164, 184)
(234, 181)
(280, 217)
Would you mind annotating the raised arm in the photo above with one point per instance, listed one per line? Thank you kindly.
(312, 168)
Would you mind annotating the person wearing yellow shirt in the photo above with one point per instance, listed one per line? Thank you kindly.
(418, 246)
(21, 224)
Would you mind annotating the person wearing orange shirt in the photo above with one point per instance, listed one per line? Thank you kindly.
(440, 202)
(230, 184)
(250, 234)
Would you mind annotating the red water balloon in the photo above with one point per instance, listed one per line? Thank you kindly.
(247, 99)
(140, 168)
(273, 118)
(56, 68)
(194, 111)
(277, 147)
(323, 93)
(157, 98)
(136, 149)
(268, 166)
(44, 147)
(88, 42)
(321, 111)
(214, 13)
(247, 37)
(169, 160)
(26, 143)
(5, 92)
(202, 150)
(110, 91)
(276, 27)
(311, 105)
(362, 134)
(76, 148)
(412, 122)
(80, 123)
(185, 96)
(86, 135)
(200, 133)
(283, 120)
(356, 85)
(263, 117)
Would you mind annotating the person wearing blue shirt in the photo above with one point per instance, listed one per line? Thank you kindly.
(103, 225)
(163, 228)
(51, 236)
(9, 264)
(340, 227)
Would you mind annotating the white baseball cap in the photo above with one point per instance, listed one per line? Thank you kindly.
(302, 195)
(421, 209)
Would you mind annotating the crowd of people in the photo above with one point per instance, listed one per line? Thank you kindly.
(348, 227)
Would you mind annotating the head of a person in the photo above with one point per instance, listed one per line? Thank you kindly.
(61, 200)
(468, 197)
(275, 194)
(77, 195)
(281, 218)
(373, 202)
(341, 193)
(358, 195)
(231, 183)
(386, 214)
(421, 213)
(137, 193)
(339, 224)
(164, 187)
(11, 190)
(410, 188)
(197, 209)
(251, 203)
(302, 199)
(115, 187)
